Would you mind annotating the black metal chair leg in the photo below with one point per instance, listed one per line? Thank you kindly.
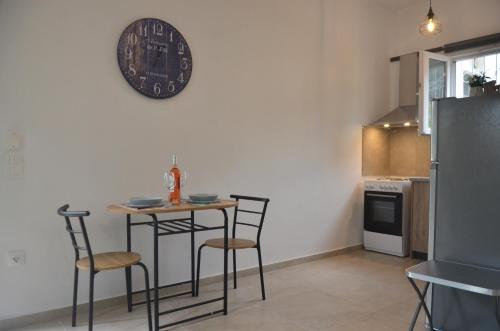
(128, 282)
(91, 300)
(75, 298)
(198, 270)
(148, 296)
(234, 268)
(261, 274)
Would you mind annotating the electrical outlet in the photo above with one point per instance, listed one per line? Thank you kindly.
(16, 257)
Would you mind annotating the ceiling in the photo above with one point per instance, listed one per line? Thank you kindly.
(396, 4)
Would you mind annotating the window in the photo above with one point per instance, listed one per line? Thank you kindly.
(434, 79)
(489, 64)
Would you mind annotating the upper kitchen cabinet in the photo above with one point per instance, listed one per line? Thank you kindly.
(434, 83)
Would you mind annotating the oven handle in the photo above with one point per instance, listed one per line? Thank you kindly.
(381, 195)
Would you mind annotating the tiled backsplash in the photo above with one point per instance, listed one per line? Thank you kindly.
(395, 152)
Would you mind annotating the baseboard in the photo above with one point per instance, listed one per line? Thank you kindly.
(65, 312)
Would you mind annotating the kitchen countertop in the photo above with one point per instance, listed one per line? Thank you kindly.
(419, 179)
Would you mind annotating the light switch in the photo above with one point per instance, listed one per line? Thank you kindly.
(15, 142)
(16, 163)
(15, 155)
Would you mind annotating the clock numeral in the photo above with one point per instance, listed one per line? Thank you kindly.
(180, 79)
(171, 86)
(157, 88)
(184, 63)
(180, 47)
(132, 38)
(171, 36)
(131, 69)
(143, 30)
(129, 53)
(143, 80)
(158, 29)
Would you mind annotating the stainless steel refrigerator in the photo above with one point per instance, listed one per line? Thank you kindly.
(465, 204)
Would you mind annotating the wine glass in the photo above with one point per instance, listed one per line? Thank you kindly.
(169, 180)
(184, 179)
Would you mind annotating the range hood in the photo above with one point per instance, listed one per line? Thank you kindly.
(406, 114)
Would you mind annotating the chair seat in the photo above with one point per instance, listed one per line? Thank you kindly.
(232, 243)
(109, 261)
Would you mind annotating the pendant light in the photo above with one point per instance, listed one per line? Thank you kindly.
(430, 26)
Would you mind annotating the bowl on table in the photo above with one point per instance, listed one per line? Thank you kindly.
(203, 198)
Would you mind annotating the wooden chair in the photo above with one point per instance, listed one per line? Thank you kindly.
(98, 262)
(239, 243)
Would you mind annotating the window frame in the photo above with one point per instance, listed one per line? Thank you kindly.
(468, 55)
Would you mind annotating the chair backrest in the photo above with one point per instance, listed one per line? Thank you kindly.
(238, 210)
(77, 215)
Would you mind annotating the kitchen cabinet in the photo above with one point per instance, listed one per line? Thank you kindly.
(420, 218)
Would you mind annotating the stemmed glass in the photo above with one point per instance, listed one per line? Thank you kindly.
(169, 181)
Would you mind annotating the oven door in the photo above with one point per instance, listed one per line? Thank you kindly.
(384, 212)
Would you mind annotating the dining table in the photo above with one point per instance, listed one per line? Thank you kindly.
(174, 226)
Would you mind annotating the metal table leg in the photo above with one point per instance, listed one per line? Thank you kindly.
(497, 313)
(192, 229)
(128, 270)
(226, 224)
(421, 297)
(192, 256)
(155, 275)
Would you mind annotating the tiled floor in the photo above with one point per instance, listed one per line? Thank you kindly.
(357, 291)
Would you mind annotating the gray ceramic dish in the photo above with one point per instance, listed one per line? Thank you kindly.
(202, 198)
(145, 201)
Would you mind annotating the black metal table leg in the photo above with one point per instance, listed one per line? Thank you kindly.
(497, 313)
(178, 226)
(226, 225)
(192, 256)
(128, 270)
(155, 275)
(421, 297)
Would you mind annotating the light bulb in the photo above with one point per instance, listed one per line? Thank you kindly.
(407, 123)
(386, 125)
(430, 25)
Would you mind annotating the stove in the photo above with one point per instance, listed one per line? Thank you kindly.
(387, 215)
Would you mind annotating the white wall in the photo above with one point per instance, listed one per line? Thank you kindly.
(274, 107)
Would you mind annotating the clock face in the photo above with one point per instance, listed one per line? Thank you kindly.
(154, 58)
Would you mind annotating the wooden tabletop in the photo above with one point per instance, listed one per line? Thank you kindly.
(123, 209)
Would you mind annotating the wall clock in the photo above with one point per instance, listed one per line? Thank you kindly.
(154, 58)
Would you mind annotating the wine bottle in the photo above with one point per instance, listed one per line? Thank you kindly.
(175, 186)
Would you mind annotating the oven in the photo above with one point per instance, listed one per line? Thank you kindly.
(386, 216)
(384, 212)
